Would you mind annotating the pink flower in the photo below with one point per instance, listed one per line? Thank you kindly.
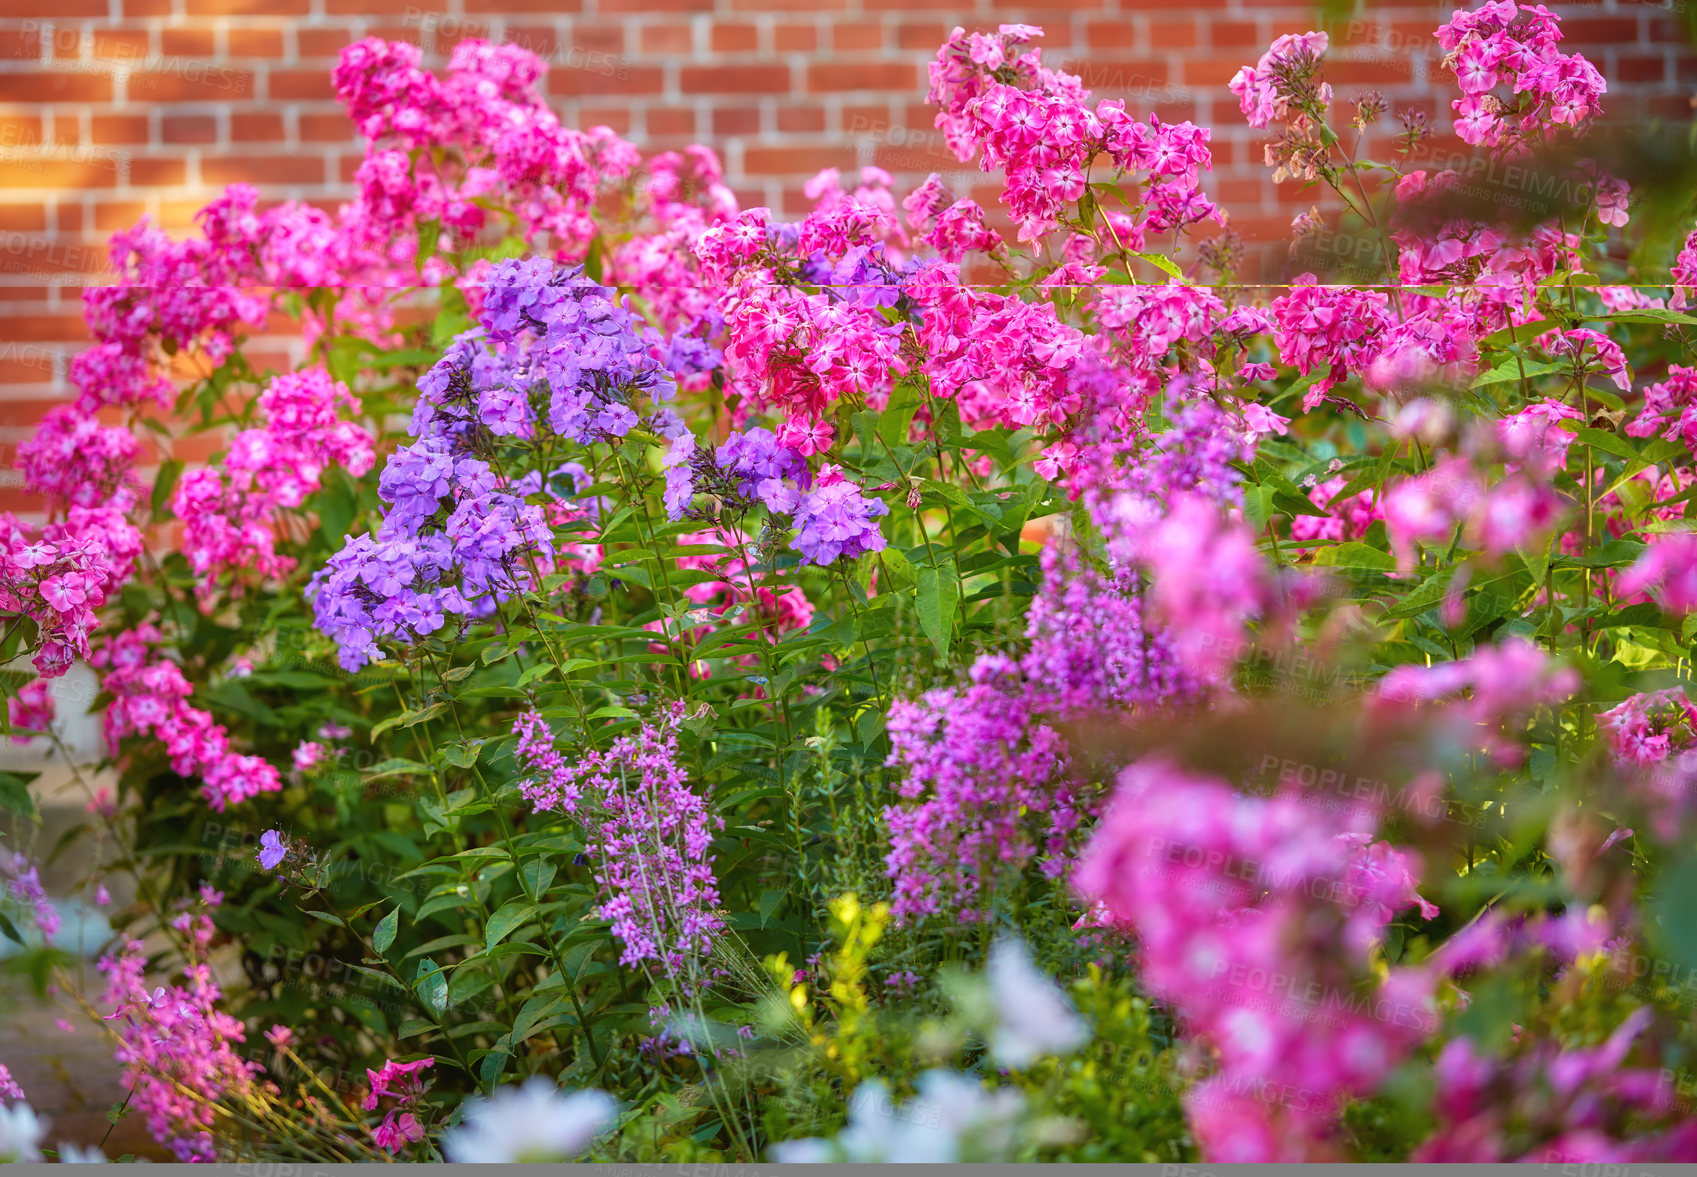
(397, 1130)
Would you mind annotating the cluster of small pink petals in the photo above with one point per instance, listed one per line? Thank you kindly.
(77, 462)
(1334, 330)
(1670, 408)
(1564, 1104)
(150, 698)
(1004, 361)
(32, 708)
(1514, 512)
(176, 1037)
(1667, 571)
(998, 102)
(648, 836)
(1345, 519)
(1264, 90)
(1505, 45)
(1589, 351)
(229, 518)
(1255, 918)
(1495, 688)
(60, 576)
(953, 227)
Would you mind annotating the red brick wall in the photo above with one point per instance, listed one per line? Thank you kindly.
(114, 108)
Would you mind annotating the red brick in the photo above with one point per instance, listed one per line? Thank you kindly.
(734, 37)
(856, 36)
(196, 42)
(926, 37)
(262, 169)
(597, 38)
(119, 128)
(253, 7)
(313, 43)
(1640, 69)
(622, 7)
(616, 117)
(740, 79)
(795, 38)
(160, 173)
(1172, 34)
(670, 120)
(266, 127)
(18, 130)
(580, 83)
(1234, 34)
(23, 218)
(287, 84)
(1113, 33)
(50, 171)
(189, 129)
(119, 47)
(736, 120)
(325, 128)
(670, 37)
(20, 44)
(191, 80)
(887, 75)
(135, 8)
(794, 161)
(255, 42)
(69, 218)
(38, 86)
(799, 119)
(550, 7)
(110, 215)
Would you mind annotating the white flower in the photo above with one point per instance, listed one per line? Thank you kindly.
(534, 1122)
(20, 1133)
(1033, 1017)
(952, 1119)
(70, 1154)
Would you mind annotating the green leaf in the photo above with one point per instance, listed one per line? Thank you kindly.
(1597, 439)
(1163, 264)
(1430, 592)
(384, 936)
(1356, 555)
(16, 797)
(164, 483)
(327, 917)
(432, 986)
(513, 914)
(938, 599)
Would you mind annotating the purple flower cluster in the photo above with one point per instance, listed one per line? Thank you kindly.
(647, 833)
(832, 516)
(595, 355)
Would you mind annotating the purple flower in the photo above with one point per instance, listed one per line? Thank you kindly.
(272, 850)
(834, 519)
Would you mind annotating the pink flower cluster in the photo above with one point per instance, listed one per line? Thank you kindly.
(177, 1038)
(647, 835)
(1557, 1104)
(999, 101)
(150, 697)
(403, 1083)
(1255, 917)
(60, 576)
(1505, 44)
(229, 523)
